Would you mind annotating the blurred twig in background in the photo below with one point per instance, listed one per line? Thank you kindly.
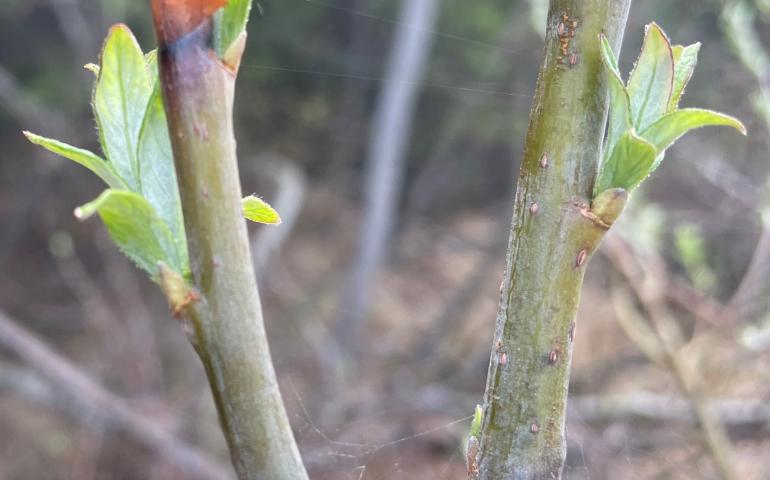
(389, 138)
(26, 110)
(752, 297)
(665, 408)
(75, 28)
(663, 343)
(96, 407)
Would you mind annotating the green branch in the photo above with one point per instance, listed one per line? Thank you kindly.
(227, 328)
(213, 287)
(567, 198)
(522, 435)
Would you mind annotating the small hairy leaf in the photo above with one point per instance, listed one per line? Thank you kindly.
(229, 23)
(156, 169)
(96, 164)
(655, 87)
(478, 418)
(120, 98)
(258, 210)
(620, 106)
(142, 209)
(630, 163)
(651, 82)
(685, 59)
(137, 230)
(151, 60)
(669, 128)
(609, 58)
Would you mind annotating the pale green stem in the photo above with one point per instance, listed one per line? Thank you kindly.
(227, 328)
(552, 238)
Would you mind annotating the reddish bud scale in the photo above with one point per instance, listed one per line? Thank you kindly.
(176, 18)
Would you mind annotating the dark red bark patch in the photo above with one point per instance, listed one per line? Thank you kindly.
(176, 18)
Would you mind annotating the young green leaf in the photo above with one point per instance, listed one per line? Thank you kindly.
(151, 60)
(655, 87)
(156, 169)
(258, 210)
(137, 230)
(120, 98)
(609, 58)
(651, 82)
(629, 164)
(96, 164)
(620, 106)
(669, 128)
(142, 210)
(478, 418)
(229, 23)
(685, 59)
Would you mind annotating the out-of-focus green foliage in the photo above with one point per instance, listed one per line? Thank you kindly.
(538, 13)
(738, 22)
(644, 224)
(691, 249)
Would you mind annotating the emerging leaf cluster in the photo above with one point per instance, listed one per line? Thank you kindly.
(141, 208)
(229, 24)
(645, 118)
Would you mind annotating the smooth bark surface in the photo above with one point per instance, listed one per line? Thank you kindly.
(553, 236)
(226, 322)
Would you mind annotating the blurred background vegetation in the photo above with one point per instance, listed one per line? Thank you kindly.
(696, 243)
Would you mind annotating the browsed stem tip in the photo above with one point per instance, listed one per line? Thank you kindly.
(176, 18)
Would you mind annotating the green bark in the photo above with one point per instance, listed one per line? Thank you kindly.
(553, 236)
(225, 323)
